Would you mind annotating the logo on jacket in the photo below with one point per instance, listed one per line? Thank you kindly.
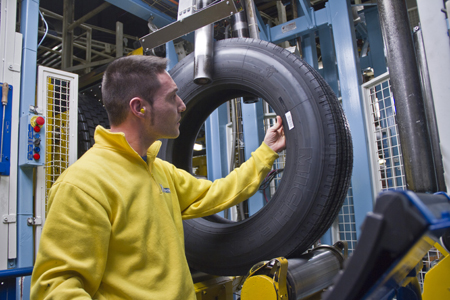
(165, 190)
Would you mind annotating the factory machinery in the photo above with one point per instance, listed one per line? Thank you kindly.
(274, 254)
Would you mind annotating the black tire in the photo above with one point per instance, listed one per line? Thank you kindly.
(90, 114)
(318, 155)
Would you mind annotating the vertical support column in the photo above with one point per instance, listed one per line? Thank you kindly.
(252, 19)
(253, 116)
(405, 81)
(88, 48)
(309, 50)
(25, 245)
(67, 35)
(329, 73)
(216, 141)
(328, 58)
(375, 41)
(282, 18)
(119, 39)
(171, 55)
(350, 83)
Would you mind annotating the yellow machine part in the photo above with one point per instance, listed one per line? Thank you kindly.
(436, 284)
(259, 287)
(138, 51)
(199, 165)
(270, 285)
(219, 288)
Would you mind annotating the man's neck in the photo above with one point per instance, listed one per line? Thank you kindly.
(134, 137)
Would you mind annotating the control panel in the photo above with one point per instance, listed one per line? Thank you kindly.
(32, 137)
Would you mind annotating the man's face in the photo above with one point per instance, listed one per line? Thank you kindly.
(166, 110)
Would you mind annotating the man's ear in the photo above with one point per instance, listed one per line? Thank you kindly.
(138, 107)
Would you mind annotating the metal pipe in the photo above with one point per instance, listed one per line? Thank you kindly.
(204, 51)
(119, 39)
(239, 25)
(253, 28)
(313, 272)
(429, 108)
(405, 82)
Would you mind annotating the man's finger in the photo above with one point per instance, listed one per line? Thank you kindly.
(278, 124)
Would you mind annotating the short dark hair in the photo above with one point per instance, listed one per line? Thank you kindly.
(129, 77)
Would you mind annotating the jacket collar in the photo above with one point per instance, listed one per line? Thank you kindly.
(116, 140)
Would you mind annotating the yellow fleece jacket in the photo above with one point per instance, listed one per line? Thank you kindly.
(114, 227)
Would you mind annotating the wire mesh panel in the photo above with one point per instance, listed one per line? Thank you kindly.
(58, 130)
(429, 260)
(58, 100)
(384, 142)
(347, 224)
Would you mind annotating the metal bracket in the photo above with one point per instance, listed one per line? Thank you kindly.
(34, 221)
(7, 219)
(14, 67)
(206, 16)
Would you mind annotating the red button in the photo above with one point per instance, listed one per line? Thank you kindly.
(40, 121)
(36, 156)
(37, 128)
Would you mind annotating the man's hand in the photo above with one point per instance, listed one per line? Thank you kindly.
(275, 138)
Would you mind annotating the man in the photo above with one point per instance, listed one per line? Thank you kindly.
(114, 227)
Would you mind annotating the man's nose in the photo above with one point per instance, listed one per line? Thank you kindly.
(182, 106)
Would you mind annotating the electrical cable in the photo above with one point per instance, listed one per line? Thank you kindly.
(266, 182)
(46, 28)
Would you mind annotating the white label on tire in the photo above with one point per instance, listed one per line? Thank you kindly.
(289, 120)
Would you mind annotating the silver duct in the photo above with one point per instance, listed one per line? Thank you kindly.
(204, 51)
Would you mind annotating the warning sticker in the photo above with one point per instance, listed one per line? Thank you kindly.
(289, 120)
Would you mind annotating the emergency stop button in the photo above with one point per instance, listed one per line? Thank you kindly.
(36, 156)
(40, 121)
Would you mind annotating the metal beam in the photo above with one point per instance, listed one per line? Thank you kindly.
(143, 11)
(50, 14)
(59, 53)
(79, 46)
(119, 39)
(67, 36)
(89, 65)
(375, 41)
(298, 27)
(89, 15)
(253, 130)
(350, 80)
(25, 243)
(88, 48)
(203, 17)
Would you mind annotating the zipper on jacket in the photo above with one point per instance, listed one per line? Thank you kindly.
(156, 182)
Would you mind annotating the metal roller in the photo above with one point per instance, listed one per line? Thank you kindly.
(313, 272)
(295, 278)
(239, 25)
